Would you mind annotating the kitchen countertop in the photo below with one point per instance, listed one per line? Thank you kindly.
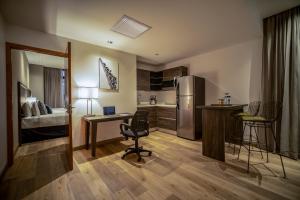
(157, 105)
(223, 107)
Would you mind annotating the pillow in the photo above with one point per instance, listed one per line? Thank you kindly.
(49, 109)
(35, 109)
(42, 108)
(26, 110)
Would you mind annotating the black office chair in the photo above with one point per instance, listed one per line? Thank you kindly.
(139, 128)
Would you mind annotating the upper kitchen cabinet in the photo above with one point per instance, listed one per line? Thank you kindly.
(161, 80)
(143, 80)
(156, 80)
(170, 74)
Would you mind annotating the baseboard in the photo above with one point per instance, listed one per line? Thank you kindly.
(167, 131)
(163, 130)
(100, 143)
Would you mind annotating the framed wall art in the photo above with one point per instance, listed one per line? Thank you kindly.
(108, 75)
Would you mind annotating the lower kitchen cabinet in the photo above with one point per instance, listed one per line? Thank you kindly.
(161, 117)
(166, 123)
(151, 116)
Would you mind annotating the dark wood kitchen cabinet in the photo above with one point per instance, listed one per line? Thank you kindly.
(161, 80)
(152, 115)
(169, 74)
(166, 118)
(161, 117)
(143, 80)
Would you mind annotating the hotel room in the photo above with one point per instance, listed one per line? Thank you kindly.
(140, 99)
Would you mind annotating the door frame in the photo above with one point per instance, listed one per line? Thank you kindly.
(9, 113)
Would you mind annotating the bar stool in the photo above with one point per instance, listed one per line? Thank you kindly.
(253, 110)
(271, 112)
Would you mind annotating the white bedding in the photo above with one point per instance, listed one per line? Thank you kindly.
(58, 118)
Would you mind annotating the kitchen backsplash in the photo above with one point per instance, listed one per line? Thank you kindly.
(167, 97)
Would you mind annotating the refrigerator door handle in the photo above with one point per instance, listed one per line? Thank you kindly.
(177, 94)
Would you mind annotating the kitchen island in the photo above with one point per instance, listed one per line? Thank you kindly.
(218, 127)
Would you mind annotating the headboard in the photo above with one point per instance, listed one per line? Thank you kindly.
(23, 93)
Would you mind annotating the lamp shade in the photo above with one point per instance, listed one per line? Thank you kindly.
(87, 93)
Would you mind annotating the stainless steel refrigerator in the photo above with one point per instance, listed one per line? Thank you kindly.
(190, 96)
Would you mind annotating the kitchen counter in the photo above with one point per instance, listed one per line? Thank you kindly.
(157, 105)
(223, 107)
(219, 126)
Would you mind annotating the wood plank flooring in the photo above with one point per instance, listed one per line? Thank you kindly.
(176, 170)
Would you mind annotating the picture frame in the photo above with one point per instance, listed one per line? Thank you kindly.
(108, 75)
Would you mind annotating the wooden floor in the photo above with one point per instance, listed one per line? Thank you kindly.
(176, 170)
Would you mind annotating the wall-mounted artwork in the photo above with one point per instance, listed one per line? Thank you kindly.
(108, 75)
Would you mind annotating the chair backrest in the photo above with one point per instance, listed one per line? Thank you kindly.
(140, 121)
(271, 110)
(254, 107)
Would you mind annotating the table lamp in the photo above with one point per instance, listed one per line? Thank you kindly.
(88, 93)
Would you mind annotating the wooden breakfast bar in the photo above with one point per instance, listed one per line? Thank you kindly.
(218, 126)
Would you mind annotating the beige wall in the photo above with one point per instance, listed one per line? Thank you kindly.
(36, 81)
(3, 138)
(20, 73)
(84, 73)
(234, 69)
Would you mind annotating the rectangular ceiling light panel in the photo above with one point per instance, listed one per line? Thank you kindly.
(130, 27)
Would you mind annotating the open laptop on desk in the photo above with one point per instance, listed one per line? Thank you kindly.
(111, 110)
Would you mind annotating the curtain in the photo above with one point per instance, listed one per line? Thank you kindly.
(53, 92)
(65, 87)
(281, 75)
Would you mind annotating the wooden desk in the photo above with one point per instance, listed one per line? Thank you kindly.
(91, 127)
(219, 126)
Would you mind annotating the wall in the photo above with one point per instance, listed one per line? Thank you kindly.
(234, 69)
(164, 97)
(20, 73)
(36, 83)
(3, 138)
(149, 67)
(84, 65)
(85, 73)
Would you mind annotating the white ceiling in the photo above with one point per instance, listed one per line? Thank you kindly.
(180, 28)
(46, 60)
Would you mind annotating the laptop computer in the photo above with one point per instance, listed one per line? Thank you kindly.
(109, 110)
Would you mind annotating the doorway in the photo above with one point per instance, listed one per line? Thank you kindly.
(39, 113)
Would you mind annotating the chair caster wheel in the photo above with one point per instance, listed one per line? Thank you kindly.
(139, 159)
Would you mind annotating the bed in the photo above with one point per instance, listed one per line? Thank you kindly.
(42, 127)
(57, 118)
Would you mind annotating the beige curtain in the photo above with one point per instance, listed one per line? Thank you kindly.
(53, 87)
(281, 75)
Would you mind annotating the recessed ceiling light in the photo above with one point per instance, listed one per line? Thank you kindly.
(109, 42)
(130, 27)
